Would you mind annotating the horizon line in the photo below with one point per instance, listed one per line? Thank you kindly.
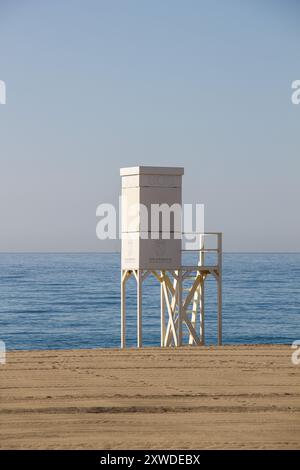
(119, 252)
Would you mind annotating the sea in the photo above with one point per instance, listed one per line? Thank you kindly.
(72, 300)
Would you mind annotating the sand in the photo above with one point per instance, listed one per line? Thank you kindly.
(241, 397)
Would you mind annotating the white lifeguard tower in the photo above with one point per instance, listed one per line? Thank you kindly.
(147, 250)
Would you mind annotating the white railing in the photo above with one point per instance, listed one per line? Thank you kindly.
(202, 250)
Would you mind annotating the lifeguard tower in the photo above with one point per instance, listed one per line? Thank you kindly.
(154, 250)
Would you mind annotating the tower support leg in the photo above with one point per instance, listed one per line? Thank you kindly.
(162, 314)
(219, 309)
(220, 289)
(123, 308)
(202, 323)
(180, 316)
(139, 309)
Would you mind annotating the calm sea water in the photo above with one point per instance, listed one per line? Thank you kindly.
(73, 301)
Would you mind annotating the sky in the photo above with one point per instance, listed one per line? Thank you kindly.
(93, 86)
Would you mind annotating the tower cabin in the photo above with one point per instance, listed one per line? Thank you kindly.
(151, 244)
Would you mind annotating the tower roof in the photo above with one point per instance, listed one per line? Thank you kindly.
(151, 170)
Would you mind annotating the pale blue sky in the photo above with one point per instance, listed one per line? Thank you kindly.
(96, 85)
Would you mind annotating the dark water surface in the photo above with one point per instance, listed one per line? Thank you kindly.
(73, 301)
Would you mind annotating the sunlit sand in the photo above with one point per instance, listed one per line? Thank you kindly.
(245, 397)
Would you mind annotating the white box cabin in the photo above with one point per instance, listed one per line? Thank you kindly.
(146, 186)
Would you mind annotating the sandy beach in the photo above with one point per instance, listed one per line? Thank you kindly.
(230, 397)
